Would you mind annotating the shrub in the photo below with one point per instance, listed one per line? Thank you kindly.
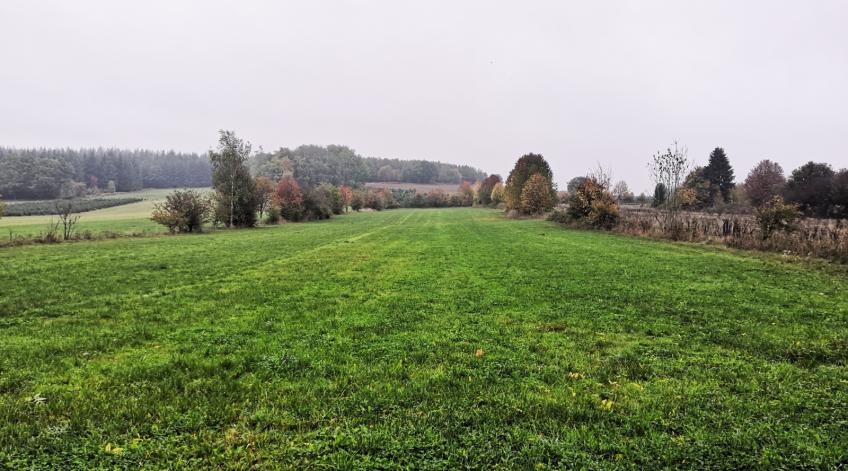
(317, 203)
(182, 211)
(357, 200)
(776, 215)
(536, 195)
(591, 203)
(272, 215)
(333, 196)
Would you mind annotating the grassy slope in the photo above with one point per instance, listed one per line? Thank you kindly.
(134, 217)
(353, 341)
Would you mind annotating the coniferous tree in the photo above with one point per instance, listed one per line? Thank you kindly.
(720, 175)
(660, 195)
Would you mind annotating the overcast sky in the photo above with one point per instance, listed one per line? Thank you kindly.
(478, 82)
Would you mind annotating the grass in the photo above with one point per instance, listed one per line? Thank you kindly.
(128, 218)
(441, 338)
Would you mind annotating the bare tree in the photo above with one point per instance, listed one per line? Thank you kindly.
(69, 219)
(669, 169)
(602, 176)
(621, 191)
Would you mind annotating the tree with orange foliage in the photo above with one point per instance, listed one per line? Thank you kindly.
(289, 199)
(466, 194)
(347, 196)
(536, 195)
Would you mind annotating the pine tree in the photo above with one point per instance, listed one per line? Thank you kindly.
(720, 174)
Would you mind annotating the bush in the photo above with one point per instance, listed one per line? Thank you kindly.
(183, 211)
(318, 204)
(272, 215)
(776, 215)
(536, 195)
(591, 203)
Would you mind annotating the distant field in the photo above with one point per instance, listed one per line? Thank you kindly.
(424, 339)
(134, 217)
(420, 187)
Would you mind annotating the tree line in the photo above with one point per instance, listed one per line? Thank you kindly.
(341, 165)
(67, 173)
(309, 183)
(815, 188)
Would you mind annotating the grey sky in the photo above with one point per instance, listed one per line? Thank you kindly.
(468, 82)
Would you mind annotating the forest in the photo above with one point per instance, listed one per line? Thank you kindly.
(35, 174)
(340, 165)
(65, 173)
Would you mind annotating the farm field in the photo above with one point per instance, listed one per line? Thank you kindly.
(440, 338)
(134, 217)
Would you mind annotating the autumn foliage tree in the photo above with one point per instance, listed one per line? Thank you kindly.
(466, 194)
(498, 193)
(484, 192)
(525, 167)
(288, 197)
(346, 195)
(536, 195)
(264, 193)
(591, 203)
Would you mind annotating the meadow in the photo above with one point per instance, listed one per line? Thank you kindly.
(429, 338)
(126, 218)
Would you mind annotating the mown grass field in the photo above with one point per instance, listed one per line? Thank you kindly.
(128, 218)
(422, 338)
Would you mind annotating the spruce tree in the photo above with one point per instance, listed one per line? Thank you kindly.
(720, 174)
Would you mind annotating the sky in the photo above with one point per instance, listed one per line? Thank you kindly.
(474, 82)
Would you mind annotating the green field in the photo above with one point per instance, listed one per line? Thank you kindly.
(419, 338)
(128, 218)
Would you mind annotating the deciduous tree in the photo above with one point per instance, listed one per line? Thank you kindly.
(764, 182)
(809, 187)
(484, 192)
(234, 187)
(183, 211)
(264, 192)
(669, 169)
(536, 195)
(525, 167)
(288, 197)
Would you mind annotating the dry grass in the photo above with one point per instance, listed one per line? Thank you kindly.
(822, 238)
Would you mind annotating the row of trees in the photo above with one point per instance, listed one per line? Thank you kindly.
(340, 165)
(815, 188)
(65, 173)
(279, 192)
(68, 173)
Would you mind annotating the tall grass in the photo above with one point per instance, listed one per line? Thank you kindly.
(822, 238)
